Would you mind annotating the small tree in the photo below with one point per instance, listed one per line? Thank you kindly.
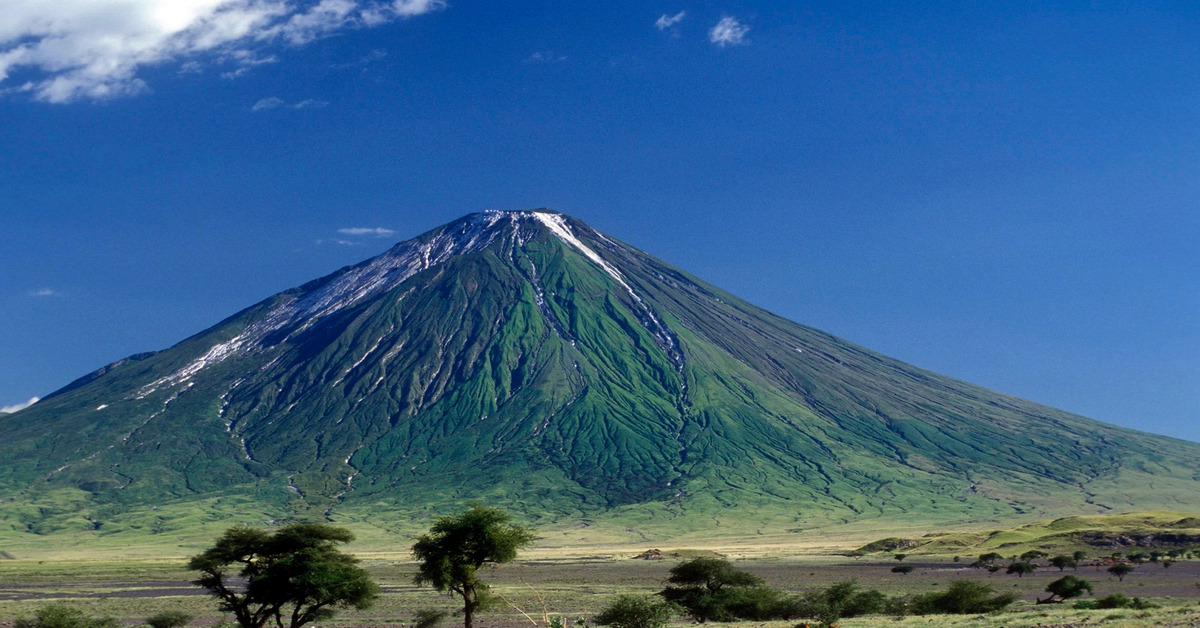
(1032, 555)
(901, 556)
(713, 589)
(1021, 568)
(292, 577)
(1079, 555)
(712, 574)
(902, 569)
(456, 547)
(632, 611)
(1062, 562)
(989, 558)
(1066, 588)
(1120, 570)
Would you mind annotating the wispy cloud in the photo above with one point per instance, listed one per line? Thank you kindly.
(245, 60)
(367, 59)
(44, 292)
(668, 21)
(272, 102)
(378, 232)
(96, 49)
(18, 406)
(729, 32)
(546, 56)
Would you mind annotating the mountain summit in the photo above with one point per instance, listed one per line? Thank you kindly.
(525, 359)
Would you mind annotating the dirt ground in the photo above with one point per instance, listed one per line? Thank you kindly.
(581, 588)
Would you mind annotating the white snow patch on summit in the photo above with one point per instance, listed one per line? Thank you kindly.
(558, 225)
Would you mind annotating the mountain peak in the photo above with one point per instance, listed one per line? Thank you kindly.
(523, 356)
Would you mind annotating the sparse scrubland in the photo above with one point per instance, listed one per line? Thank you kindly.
(549, 586)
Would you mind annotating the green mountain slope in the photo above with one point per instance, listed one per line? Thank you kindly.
(525, 359)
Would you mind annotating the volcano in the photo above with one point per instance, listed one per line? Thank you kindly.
(526, 360)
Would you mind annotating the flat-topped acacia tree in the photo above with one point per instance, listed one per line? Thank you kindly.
(291, 578)
(457, 546)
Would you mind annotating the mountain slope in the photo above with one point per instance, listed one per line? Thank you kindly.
(526, 359)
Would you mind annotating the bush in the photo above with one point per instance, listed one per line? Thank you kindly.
(713, 589)
(64, 616)
(631, 611)
(902, 569)
(169, 619)
(962, 597)
(757, 604)
(843, 599)
(1115, 600)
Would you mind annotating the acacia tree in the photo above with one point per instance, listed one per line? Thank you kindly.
(1063, 561)
(1066, 588)
(1120, 570)
(988, 559)
(292, 577)
(1021, 568)
(1032, 555)
(704, 586)
(712, 574)
(456, 547)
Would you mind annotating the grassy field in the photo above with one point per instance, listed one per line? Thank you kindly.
(577, 585)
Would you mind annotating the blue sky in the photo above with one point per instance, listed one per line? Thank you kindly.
(1006, 192)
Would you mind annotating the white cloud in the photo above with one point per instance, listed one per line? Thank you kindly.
(271, 102)
(378, 232)
(44, 292)
(232, 74)
(729, 32)
(19, 406)
(267, 103)
(67, 50)
(667, 21)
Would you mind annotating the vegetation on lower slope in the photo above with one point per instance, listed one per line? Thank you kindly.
(1092, 534)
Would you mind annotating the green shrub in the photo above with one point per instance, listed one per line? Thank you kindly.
(843, 599)
(713, 589)
(64, 616)
(757, 604)
(169, 619)
(1115, 600)
(962, 597)
(631, 611)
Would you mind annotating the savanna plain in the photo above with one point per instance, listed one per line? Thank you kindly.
(569, 585)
